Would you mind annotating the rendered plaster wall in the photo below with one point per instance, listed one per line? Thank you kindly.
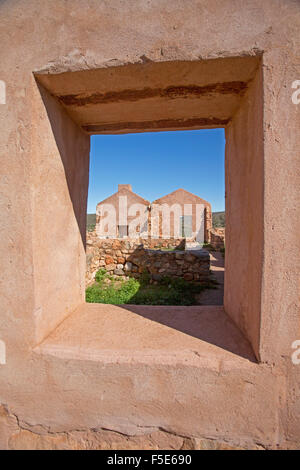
(280, 324)
(219, 395)
(59, 183)
(244, 213)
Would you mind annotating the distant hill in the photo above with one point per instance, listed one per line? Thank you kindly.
(218, 220)
(90, 222)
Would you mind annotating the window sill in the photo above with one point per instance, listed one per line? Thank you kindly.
(201, 336)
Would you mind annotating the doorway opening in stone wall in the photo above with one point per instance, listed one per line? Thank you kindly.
(156, 218)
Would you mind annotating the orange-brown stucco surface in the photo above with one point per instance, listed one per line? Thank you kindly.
(159, 377)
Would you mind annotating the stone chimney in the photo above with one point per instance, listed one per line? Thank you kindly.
(126, 186)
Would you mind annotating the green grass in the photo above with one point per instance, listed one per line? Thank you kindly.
(111, 294)
(168, 291)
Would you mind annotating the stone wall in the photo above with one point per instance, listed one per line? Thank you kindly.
(217, 238)
(16, 435)
(134, 257)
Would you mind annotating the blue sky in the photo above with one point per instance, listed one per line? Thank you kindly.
(157, 163)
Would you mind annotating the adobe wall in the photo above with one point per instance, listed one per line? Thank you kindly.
(61, 184)
(134, 257)
(216, 394)
(244, 208)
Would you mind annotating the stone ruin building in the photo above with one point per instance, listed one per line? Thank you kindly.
(180, 224)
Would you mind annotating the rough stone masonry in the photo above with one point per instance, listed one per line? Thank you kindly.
(135, 257)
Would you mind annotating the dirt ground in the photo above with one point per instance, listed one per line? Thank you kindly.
(214, 296)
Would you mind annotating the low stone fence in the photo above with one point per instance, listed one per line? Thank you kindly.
(133, 258)
(217, 238)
